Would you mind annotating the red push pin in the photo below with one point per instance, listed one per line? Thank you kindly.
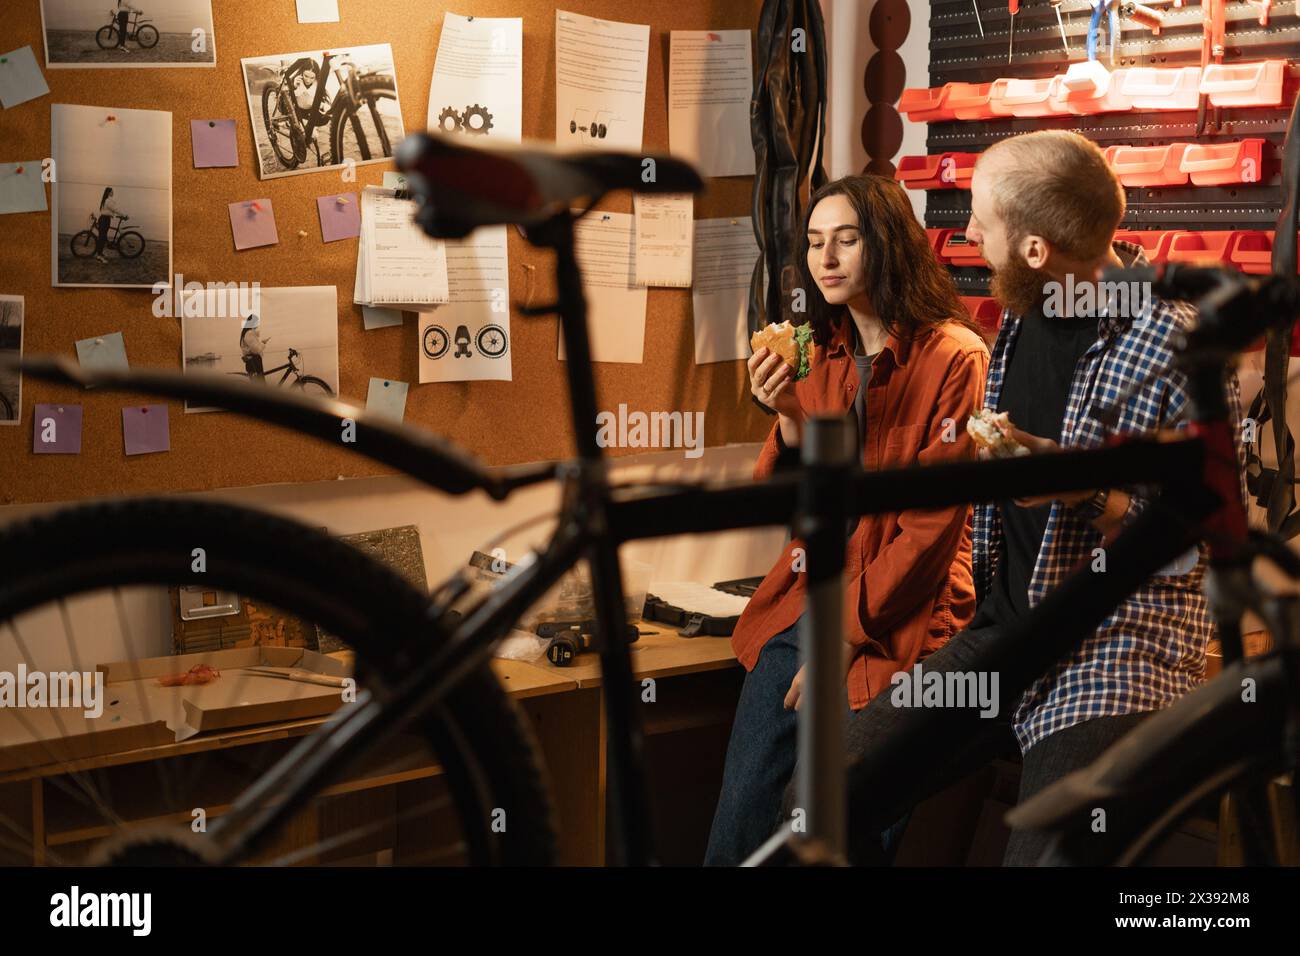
(19, 170)
(257, 206)
(112, 118)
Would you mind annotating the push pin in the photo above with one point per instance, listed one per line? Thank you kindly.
(302, 233)
(144, 410)
(19, 170)
(99, 341)
(4, 59)
(343, 200)
(112, 118)
(257, 206)
(212, 124)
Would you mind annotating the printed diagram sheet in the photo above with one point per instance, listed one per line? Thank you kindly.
(725, 253)
(710, 82)
(397, 264)
(664, 238)
(477, 85)
(600, 76)
(615, 305)
(469, 338)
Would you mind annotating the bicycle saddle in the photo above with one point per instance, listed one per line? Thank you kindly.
(462, 187)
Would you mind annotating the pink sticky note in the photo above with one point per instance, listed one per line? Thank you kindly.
(253, 223)
(56, 430)
(214, 143)
(339, 220)
(144, 429)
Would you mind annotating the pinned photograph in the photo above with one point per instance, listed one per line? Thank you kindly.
(293, 342)
(128, 33)
(323, 109)
(112, 197)
(11, 349)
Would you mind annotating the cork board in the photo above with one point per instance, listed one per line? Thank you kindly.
(501, 422)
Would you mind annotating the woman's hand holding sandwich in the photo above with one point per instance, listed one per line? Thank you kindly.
(771, 381)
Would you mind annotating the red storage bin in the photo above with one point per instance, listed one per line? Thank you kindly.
(1148, 165)
(1208, 247)
(937, 238)
(1154, 242)
(1244, 84)
(1080, 93)
(1154, 88)
(958, 252)
(1016, 97)
(920, 172)
(926, 105)
(986, 312)
(1252, 252)
(1222, 163)
(970, 101)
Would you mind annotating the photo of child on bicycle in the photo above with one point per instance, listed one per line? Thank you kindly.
(112, 199)
(128, 33)
(321, 109)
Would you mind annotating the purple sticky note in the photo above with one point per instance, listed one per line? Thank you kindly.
(340, 217)
(214, 143)
(144, 429)
(56, 430)
(253, 223)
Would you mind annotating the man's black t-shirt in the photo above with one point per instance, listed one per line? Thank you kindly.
(1035, 391)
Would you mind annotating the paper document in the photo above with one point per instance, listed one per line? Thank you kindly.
(477, 85)
(710, 83)
(468, 339)
(725, 253)
(664, 238)
(397, 264)
(615, 306)
(600, 70)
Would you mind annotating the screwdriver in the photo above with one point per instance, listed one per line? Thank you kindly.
(1056, 7)
(978, 22)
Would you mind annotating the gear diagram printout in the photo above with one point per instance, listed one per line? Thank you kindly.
(478, 76)
(600, 76)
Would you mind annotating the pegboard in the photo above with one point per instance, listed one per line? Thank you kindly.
(502, 422)
(958, 53)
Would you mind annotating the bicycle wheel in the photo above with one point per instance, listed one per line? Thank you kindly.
(6, 410)
(106, 37)
(147, 37)
(53, 570)
(358, 129)
(1127, 807)
(280, 125)
(83, 244)
(311, 385)
(130, 245)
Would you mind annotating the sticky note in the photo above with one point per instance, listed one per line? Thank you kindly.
(56, 430)
(339, 220)
(20, 78)
(22, 192)
(103, 351)
(318, 11)
(213, 142)
(377, 318)
(145, 430)
(253, 223)
(387, 398)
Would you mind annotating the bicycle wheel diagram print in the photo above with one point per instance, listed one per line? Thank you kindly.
(323, 109)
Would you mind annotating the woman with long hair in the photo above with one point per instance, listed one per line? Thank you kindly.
(895, 349)
(103, 220)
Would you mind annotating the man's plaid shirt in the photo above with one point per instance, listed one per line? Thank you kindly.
(1151, 650)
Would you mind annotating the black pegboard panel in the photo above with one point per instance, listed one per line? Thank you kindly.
(958, 53)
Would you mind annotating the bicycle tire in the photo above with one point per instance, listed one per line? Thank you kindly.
(147, 37)
(370, 89)
(126, 244)
(83, 244)
(311, 381)
(287, 160)
(106, 37)
(477, 733)
(1206, 744)
(6, 410)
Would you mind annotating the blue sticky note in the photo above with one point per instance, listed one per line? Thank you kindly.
(56, 430)
(387, 398)
(145, 429)
(21, 187)
(376, 318)
(20, 78)
(103, 351)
